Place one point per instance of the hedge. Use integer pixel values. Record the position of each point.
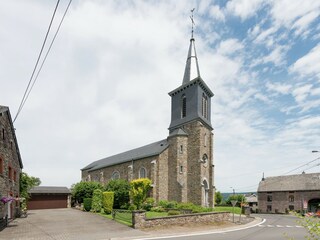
(107, 203)
(97, 200)
(87, 204)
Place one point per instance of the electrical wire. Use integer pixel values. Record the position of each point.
(36, 65)
(44, 59)
(318, 158)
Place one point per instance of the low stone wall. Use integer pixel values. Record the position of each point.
(139, 219)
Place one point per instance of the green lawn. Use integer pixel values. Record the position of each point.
(156, 214)
(237, 210)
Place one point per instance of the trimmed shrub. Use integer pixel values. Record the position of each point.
(97, 200)
(108, 198)
(148, 204)
(87, 202)
(173, 212)
(139, 190)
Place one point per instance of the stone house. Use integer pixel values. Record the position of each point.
(181, 167)
(252, 201)
(281, 194)
(10, 165)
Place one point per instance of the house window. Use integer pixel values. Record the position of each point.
(269, 198)
(183, 106)
(1, 166)
(291, 198)
(269, 208)
(115, 175)
(204, 106)
(14, 176)
(3, 134)
(142, 173)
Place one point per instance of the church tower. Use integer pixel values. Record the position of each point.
(190, 156)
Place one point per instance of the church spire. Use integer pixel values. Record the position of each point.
(192, 68)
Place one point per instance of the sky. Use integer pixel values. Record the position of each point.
(104, 86)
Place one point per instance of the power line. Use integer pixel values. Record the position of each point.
(302, 165)
(44, 59)
(35, 67)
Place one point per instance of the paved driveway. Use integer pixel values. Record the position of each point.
(66, 224)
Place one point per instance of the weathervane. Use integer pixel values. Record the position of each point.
(192, 22)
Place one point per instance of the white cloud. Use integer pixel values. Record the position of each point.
(304, 21)
(217, 13)
(286, 12)
(230, 46)
(279, 88)
(309, 64)
(244, 8)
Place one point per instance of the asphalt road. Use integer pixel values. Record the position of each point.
(274, 227)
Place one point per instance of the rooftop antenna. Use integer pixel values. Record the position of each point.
(192, 22)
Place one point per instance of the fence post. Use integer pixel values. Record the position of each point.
(138, 218)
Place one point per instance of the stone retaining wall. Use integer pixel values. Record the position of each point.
(139, 219)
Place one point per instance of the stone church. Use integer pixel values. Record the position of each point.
(181, 167)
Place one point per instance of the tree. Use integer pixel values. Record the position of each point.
(121, 189)
(240, 198)
(139, 190)
(26, 183)
(218, 197)
(83, 190)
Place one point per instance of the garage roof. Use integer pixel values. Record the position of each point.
(47, 189)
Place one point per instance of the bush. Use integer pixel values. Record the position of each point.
(157, 209)
(187, 205)
(97, 200)
(173, 212)
(121, 189)
(87, 204)
(132, 207)
(83, 190)
(139, 190)
(240, 198)
(148, 204)
(108, 198)
(167, 204)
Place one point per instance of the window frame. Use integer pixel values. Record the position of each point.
(115, 173)
(145, 172)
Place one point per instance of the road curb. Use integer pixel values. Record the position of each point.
(257, 221)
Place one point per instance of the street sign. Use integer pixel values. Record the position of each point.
(234, 202)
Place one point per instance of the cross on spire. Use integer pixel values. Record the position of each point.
(192, 22)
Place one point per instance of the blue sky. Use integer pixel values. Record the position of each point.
(103, 89)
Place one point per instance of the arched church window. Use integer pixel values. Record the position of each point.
(183, 106)
(115, 175)
(142, 173)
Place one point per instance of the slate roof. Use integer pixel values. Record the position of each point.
(149, 150)
(178, 132)
(299, 182)
(48, 190)
(4, 109)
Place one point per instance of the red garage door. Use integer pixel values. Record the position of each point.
(47, 201)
